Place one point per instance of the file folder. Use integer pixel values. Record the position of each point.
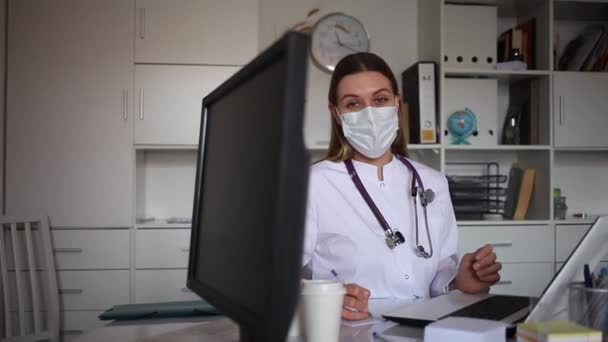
(419, 92)
(158, 310)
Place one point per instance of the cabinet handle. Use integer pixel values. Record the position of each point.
(67, 250)
(71, 332)
(125, 103)
(70, 291)
(502, 244)
(186, 290)
(141, 103)
(505, 282)
(142, 23)
(185, 250)
(561, 110)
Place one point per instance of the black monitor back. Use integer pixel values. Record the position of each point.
(250, 192)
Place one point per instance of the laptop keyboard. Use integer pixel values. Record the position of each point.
(493, 308)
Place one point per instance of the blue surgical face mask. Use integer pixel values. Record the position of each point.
(372, 130)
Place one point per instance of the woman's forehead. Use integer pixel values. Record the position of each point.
(363, 83)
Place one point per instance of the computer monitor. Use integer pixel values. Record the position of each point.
(590, 250)
(250, 192)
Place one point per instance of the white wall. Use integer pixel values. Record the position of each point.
(392, 26)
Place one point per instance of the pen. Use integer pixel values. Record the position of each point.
(587, 277)
(376, 335)
(335, 274)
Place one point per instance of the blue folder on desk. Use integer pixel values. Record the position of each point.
(160, 310)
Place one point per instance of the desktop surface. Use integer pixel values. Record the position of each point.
(222, 329)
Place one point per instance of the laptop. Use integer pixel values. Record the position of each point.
(513, 309)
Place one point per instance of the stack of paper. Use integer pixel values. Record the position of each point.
(462, 329)
(556, 331)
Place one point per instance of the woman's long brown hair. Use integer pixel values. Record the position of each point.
(339, 148)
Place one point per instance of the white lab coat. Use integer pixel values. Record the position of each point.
(343, 235)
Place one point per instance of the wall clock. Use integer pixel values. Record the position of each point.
(335, 36)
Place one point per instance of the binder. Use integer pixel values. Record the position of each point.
(525, 195)
(420, 93)
(156, 310)
(512, 195)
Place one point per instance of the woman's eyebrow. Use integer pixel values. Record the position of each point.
(381, 90)
(347, 95)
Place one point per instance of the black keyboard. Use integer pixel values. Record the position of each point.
(493, 308)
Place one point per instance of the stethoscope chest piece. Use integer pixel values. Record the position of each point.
(421, 252)
(394, 239)
(427, 196)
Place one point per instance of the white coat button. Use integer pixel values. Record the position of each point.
(407, 276)
(382, 185)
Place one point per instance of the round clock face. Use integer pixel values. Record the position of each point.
(335, 36)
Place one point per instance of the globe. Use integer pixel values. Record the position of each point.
(462, 124)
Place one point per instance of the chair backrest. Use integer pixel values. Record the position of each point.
(28, 281)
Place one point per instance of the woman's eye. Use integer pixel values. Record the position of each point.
(381, 100)
(351, 105)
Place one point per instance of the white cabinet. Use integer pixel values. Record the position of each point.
(580, 109)
(567, 238)
(526, 253)
(169, 101)
(512, 244)
(99, 249)
(69, 114)
(524, 279)
(162, 286)
(93, 290)
(162, 248)
(196, 31)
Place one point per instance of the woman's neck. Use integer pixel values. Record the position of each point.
(379, 162)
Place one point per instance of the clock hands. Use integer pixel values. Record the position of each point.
(340, 43)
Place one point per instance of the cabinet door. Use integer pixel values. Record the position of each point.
(196, 31)
(170, 97)
(580, 109)
(69, 141)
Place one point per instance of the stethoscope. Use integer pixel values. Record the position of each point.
(394, 238)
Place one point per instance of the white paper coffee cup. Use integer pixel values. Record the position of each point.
(321, 309)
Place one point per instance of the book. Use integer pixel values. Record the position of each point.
(525, 194)
(579, 50)
(524, 95)
(528, 32)
(513, 186)
(556, 331)
(521, 38)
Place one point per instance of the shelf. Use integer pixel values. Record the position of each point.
(318, 148)
(423, 146)
(506, 8)
(580, 149)
(167, 147)
(507, 75)
(587, 10)
(162, 224)
(503, 222)
(574, 221)
(497, 148)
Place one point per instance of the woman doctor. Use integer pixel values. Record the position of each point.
(366, 225)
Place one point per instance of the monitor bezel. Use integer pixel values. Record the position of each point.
(287, 246)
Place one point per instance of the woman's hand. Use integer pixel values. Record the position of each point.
(355, 305)
(477, 271)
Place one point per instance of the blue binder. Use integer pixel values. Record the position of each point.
(159, 310)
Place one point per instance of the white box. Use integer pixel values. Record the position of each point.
(481, 97)
(462, 329)
(470, 36)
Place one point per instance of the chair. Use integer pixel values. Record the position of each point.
(28, 282)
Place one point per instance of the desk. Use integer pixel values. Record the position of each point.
(221, 329)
